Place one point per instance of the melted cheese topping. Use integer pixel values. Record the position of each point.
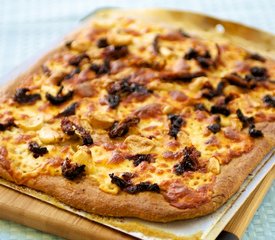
(142, 65)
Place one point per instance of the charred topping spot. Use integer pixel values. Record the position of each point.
(142, 187)
(189, 161)
(191, 54)
(176, 121)
(76, 60)
(72, 170)
(221, 109)
(269, 100)
(71, 128)
(115, 52)
(70, 110)
(22, 97)
(104, 68)
(128, 187)
(201, 107)
(138, 158)
(184, 34)
(7, 125)
(181, 76)
(59, 98)
(246, 121)
(102, 43)
(253, 132)
(156, 44)
(37, 150)
(122, 128)
(256, 57)
(124, 88)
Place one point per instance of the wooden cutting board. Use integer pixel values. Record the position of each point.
(31, 212)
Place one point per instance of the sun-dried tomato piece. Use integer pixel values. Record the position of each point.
(76, 60)
(77, 70)
(221, 109)
(71, 170)
(155, 44)
(253, 132)
(142, 187)
(7, 125)
(246, 121)
(181, 76)
(204, 60)
(122, 128)
(104, 68)
(121, 183)
(139, 158)
(189, 161)
(59, 98)
(201, 107)
(70, 110)
(71, 128)
(269, 100)
(214, 128)
(209, 92)
(256, 57)
(36, 149)
(124, 88)
(176, 122)
(102, 43)
(116, 52)
(237, 80)
(22, 97)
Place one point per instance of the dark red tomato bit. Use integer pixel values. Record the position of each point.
(214, 128)
(36, 149)
(220, 109)
(181, 76)
(71, 128)
(253, 132)
(189, 161)
(176, 122)
(237, 80)
(104, 68)
(102, 43)
(7, 125)
(122, 128)
(142, 187)
(200, 107)
(22, 97)
(121, 183)
(246, 121)
(116, 52)
(139, 158)
(59, 98)
(256, 57)
(71, 170)
(156, 44)
(269, 100)
(76, 60)
(77, 70)
(70, 110)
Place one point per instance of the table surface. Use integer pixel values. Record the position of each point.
(27, 26)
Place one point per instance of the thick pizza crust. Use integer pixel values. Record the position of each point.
(85, 194)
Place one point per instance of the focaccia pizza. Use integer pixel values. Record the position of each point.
(133, 119)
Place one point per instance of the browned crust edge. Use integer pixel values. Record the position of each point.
(85, 194)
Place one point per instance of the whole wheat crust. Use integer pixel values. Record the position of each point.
(84, 194)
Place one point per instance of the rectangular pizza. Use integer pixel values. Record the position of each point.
(134, 116)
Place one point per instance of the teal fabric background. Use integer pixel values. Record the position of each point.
(27, 26)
